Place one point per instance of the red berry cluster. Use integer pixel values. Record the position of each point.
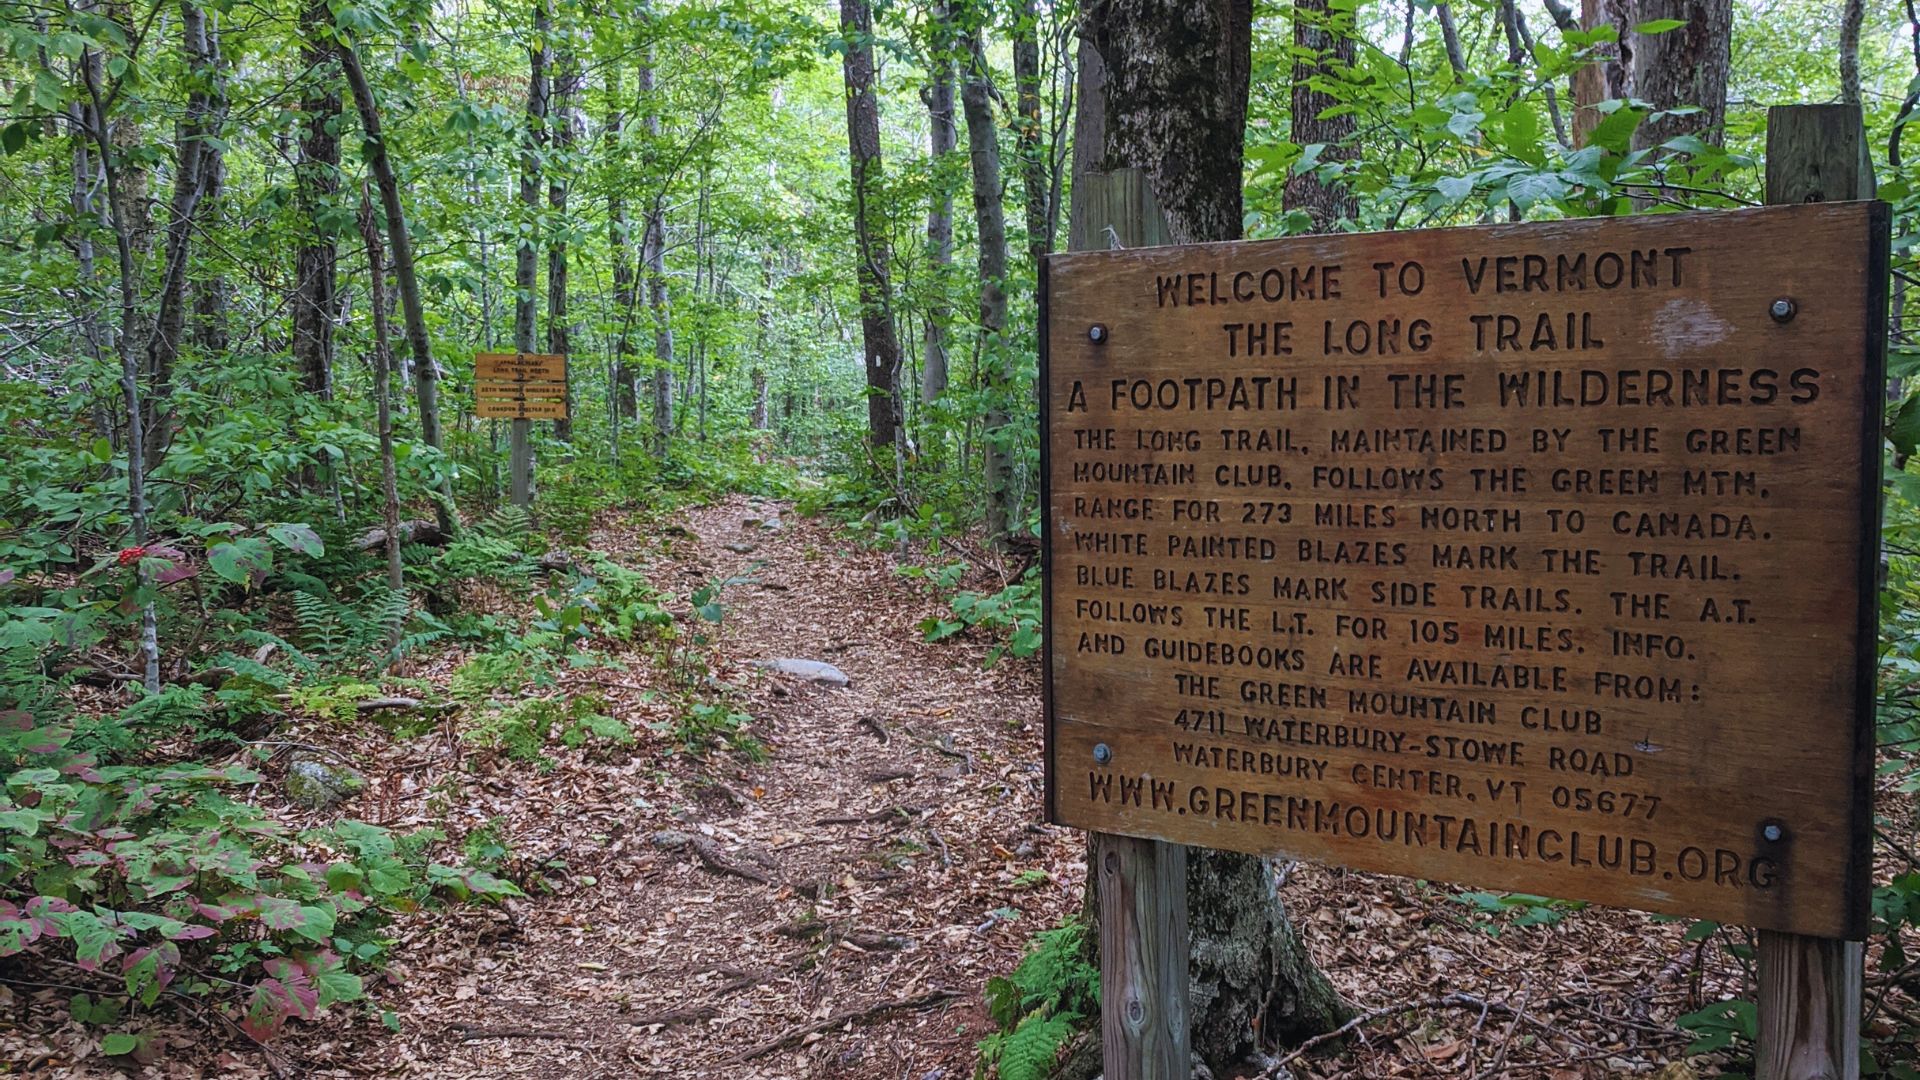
(129, 556)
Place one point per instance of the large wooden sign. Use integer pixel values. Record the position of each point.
(520, 386)
(1537, 557)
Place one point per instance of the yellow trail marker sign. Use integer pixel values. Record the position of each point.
(520, 386)
(1538, 557)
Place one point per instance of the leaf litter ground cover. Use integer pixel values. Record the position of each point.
(835, 910)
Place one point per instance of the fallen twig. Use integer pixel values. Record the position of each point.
(794, 1035)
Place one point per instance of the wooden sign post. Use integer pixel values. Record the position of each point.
(521, 387)
(1810, 987)
(1537, 557)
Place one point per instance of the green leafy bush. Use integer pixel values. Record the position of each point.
(154, 875)
(1013, 614)
(1038, 1006)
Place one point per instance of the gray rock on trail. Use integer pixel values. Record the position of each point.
(770, 524)
(817, 671)
(314, 783)
(740, 548)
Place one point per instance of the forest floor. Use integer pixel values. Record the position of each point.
(834, 911)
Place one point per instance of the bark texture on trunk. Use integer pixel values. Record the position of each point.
(383, 391)
(533, 144)
(567, 82)
(316, 180)
(1685, 66)
(654, 255)
(1176, 104)
(1323, 47)
(1027, 128)
(196, 153)
(620, 242)
(942, 137)
(990, 222)
(886, 427)
(1251, 979)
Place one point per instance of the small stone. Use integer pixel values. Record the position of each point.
(314, 783)
(811, 670)
(741, 548)
(772, 525)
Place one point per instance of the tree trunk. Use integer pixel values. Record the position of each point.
(526, 257)
(1322, 49)
(1027, 128)
(1852, 15)
(1686, 66)
(990, 221)
(566, 122)
(1164, 91)
(1450, 37)
(316, 179)
(886, 429)
(1176, 105)
(426, 377)
(1619, 14)
(943, 136)
(195, 148)
(125, 222)
(620, 243)
(209, 326)
(383, 391)
(653, 246)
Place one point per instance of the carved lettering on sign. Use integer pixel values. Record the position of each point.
(1535, 557)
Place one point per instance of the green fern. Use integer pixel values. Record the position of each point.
(506, 523)
(1037, 1007)
(1028, 1051)
(339, 635)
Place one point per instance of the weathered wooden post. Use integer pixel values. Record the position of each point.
(521, 388)
(1143, 883)
(1810, 986)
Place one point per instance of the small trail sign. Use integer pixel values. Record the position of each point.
(520, 386)
(1538, 557)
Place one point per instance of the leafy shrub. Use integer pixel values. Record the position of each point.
(706, 724)
(1012, 613)
(523, 729)
(1038, 1006)
(156, 876)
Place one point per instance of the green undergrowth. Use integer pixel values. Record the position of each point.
(1053, 992)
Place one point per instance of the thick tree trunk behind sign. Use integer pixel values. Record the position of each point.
(1322, 45)
(1164, 91)
(1684, 66)
(872, 252)
(1033, 163)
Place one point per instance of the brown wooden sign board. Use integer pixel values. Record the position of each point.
(548, 367)
(1535, 557)
(517, 390)
(521, 408)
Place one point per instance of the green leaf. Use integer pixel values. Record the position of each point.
(245, 561)
(119, 1043)
(298, 538)
(1659, 26)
